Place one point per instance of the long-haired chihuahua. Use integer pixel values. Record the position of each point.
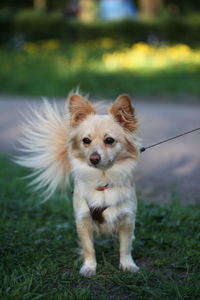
(101, 152)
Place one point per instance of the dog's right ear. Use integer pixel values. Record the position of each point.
(79, 109)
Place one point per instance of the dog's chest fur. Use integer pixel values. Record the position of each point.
(116, 200)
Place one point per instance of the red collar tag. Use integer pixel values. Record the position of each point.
(102, 188)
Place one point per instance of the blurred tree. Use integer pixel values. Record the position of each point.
(87, 10)
(71, 9)
(39, 4)
(57, 4)
(149, 8)
(183, 5)
(16, 4)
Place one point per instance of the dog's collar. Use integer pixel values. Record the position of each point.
(102, 188)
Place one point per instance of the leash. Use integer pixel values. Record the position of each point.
(167, 140)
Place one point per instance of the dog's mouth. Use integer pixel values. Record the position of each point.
(101, 166)
(96, 166)
(93, 166)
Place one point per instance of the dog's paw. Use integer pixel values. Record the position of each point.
(88, 269)
(129, 265)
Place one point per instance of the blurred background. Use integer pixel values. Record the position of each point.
(143, 47)
(147, 48)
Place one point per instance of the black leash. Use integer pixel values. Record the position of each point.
(167, 140)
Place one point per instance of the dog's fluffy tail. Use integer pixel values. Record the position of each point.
(43, 147)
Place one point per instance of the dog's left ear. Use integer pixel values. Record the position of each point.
(124, 113)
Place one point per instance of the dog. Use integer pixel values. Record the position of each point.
(101, 152)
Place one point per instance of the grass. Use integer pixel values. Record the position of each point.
(39, 249)
(51, 69)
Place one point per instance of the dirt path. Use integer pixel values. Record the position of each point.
(172, 168)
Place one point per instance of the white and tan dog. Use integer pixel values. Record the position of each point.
(101, 152)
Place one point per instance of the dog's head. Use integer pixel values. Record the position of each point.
(102, 140)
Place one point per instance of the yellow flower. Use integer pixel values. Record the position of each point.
(31, 48)
(50, 45)
(107, 43)
(142, 56)
(142, 48)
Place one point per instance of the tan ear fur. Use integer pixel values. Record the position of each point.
(124, 113)
(79, 109)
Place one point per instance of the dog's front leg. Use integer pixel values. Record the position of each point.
(85, 232)
(125, 237)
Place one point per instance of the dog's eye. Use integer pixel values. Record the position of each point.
(86, 141)
(109, 140)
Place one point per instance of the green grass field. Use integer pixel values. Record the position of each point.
(39, 249)
(51, 69)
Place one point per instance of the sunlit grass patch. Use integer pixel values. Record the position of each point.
(100, 67)
(142, 56)
(49, 45)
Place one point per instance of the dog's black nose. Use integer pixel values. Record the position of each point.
(95, 158)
